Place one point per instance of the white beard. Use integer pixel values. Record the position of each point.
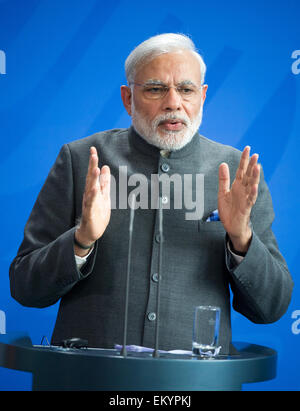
(166, 139)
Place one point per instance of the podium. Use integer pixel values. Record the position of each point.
(67, 369)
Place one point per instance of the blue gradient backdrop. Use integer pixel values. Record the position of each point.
(64, 68)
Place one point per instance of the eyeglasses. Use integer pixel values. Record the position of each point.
(153, 91)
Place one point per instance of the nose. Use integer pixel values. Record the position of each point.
(172, 100)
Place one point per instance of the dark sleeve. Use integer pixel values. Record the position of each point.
(45, 267)
(261, 284)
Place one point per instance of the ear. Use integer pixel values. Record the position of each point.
(126, 98)
(204, 90)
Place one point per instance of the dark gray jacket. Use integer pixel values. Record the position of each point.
(196, 265)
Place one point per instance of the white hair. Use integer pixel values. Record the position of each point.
(157, 45)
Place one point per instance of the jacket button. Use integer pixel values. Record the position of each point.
(165, 167)
(151, 316)
(157, 238)
(164, 200)
(155, 277)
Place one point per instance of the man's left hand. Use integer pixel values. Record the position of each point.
(235, 202)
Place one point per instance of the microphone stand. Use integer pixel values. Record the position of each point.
(124, 350)
(156, 352)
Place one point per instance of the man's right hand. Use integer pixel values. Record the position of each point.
(96, 204)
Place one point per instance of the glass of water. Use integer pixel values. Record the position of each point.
(206, 331)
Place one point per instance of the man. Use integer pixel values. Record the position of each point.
(84, 264)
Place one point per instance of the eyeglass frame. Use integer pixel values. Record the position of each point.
(157, 83)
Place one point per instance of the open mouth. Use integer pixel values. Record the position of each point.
(172, 124)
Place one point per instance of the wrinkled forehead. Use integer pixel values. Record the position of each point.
(171, 68)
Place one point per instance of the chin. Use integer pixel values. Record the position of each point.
(171, 141)
(165, 139)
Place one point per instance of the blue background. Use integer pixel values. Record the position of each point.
(64, 67)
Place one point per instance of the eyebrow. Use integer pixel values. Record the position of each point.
(187, 83)
(161, 83)
(154, 81)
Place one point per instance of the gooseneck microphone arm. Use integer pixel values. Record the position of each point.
(124, 350)
(161, 238)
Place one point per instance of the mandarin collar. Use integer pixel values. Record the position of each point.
(143, 146)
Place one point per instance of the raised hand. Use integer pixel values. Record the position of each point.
(235, 202)
(96, 204)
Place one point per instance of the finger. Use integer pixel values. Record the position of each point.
(92, 190)
(95, 179)
(250, 169)
(252, 176)
(93, 184)
(253, 184)
(224, 178)
(93, 164)
(253, 195)
(254, 180)
(244, 161)
(105, 179)
(93, 160)
(256, 173)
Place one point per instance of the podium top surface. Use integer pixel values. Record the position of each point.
(252, 363)
(245, 351)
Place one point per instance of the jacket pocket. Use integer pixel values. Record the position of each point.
(210, 226)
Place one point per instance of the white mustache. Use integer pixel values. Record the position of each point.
(165, 117)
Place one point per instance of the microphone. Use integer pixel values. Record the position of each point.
(156, 352)
(124, 350)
